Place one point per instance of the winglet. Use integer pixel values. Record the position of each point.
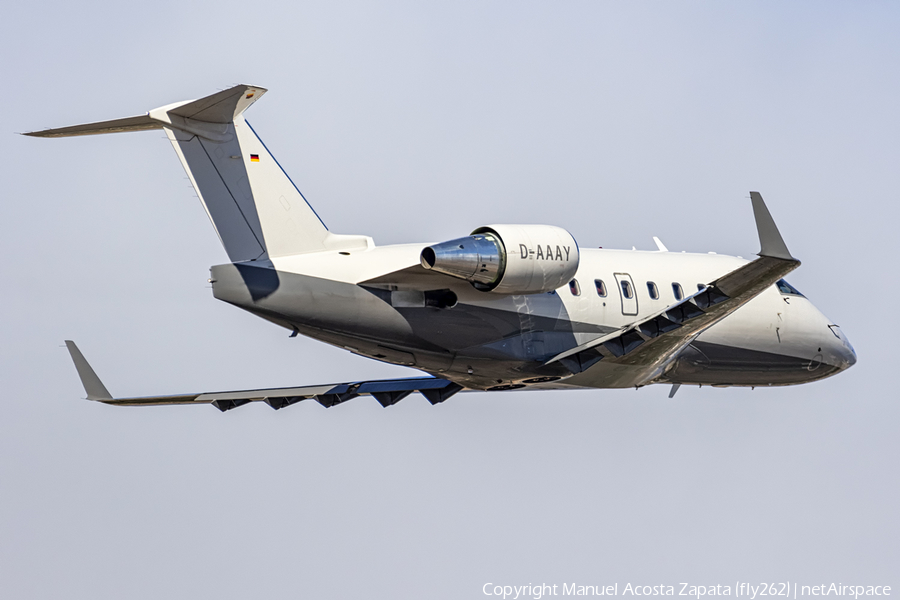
(92, 384)
(770, 241)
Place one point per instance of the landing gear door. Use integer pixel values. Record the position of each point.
(627, 293)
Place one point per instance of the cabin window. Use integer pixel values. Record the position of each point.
(654, 291)
(626, 289)
(676, 289)
(785, 288)
(601, 287)
(574, 287)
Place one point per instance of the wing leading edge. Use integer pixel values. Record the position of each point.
(654, 342)
(385, 391)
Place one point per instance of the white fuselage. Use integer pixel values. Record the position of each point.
(775, 339)
(506, 307)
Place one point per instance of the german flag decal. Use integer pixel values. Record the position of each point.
(254, 158)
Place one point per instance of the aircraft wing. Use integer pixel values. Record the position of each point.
(655, 341)
(386, 391)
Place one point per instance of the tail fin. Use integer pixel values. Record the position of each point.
(254, 206)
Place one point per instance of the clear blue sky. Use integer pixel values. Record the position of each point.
(420, 122)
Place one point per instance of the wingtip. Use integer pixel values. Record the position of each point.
(93, 387)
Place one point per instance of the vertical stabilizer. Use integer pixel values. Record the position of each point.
(256, 209)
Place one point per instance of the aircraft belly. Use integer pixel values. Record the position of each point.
(309, 301)
(495, 347)
(707, 363)
(478, 345)
(466, 327)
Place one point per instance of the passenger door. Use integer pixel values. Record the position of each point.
(628, 294)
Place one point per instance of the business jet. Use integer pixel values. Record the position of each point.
(507, 307)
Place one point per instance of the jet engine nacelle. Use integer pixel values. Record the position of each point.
(508, 259)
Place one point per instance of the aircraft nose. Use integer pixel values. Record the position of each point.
(851, 355)
(842, 350)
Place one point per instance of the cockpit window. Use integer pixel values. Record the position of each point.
(785, 288)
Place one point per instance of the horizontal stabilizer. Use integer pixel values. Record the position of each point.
(139, 123)
(222, 107)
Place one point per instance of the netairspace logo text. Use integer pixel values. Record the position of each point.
(751, 591)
